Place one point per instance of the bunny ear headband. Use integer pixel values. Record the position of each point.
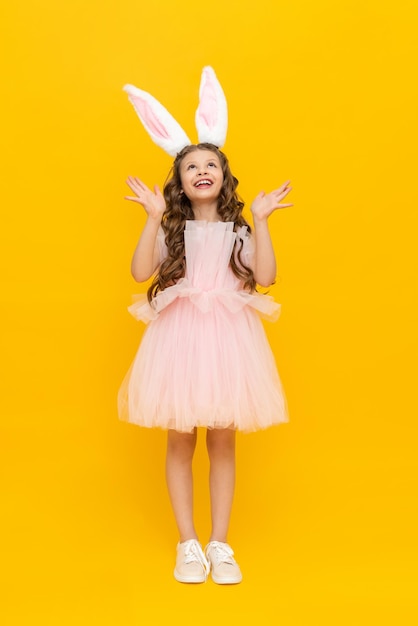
(211, 116)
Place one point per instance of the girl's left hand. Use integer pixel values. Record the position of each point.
(264, 204)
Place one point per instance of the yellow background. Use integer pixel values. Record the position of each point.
(325, 517)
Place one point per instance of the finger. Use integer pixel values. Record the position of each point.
(282, 194)
(131, 185)
(132, 198)
(134, 179)
(137, 188)
(132, 182)
(283, 188)
(138, 183)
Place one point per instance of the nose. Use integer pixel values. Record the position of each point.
(202, 170)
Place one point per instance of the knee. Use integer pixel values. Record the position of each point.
(181, 445)
(220, 442)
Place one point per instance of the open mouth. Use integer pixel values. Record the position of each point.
(205, 182)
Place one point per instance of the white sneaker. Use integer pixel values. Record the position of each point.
(191, 563)
(225, 570)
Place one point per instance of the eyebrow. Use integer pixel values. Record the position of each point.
(193, 161)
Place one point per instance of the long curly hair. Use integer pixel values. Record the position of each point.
(179, 209)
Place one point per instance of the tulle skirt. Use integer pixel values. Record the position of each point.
(213, 369)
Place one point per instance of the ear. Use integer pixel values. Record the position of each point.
(158, 122)
(212, 113)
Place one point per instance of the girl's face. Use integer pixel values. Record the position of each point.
(201, 176)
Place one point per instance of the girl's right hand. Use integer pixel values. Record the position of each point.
(153, 202)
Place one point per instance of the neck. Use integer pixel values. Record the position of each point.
(206, 212)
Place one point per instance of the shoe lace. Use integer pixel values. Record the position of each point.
(193, 553)
(223, 553)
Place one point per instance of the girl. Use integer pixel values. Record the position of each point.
(204, 359)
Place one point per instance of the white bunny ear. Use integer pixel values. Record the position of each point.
(158, 122)
(212, 112)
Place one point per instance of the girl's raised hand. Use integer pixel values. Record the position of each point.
(152, 201)
(264, 204)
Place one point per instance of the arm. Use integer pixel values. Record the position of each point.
(264, 257)
(145, 258)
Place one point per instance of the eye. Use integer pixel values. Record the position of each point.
(189, 167)
(212, 164)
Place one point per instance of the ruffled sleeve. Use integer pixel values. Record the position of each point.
(160, 245)
(247, 252)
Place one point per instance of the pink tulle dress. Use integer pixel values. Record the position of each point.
(204, 359)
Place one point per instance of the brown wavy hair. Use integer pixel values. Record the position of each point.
(179, 209)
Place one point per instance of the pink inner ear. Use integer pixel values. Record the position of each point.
(207, 107)
(151, 121)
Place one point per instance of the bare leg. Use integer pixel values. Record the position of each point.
(221, 450)
(180, 450)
